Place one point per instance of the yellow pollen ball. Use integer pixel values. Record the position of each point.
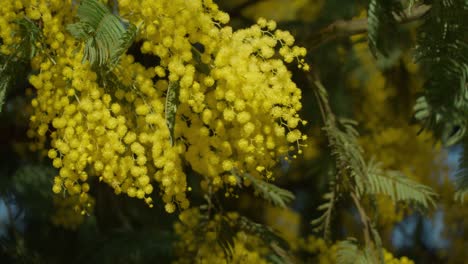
(170, 208)
(232, 179)
(56, 189)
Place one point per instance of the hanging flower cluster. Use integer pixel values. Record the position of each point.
(237, 111)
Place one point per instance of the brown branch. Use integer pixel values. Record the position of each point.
(343, 28)
(368, 229)
(322, 99)
(364, 218)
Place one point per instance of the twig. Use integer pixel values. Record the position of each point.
(343, 28)
(364, 218)
(322, 99)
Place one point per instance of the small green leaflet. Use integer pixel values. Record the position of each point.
(270, 192)
(14, 65)
(383, 26)
(225, 238)
(126, 41)
(322, 223)
(30, 34)
(172, 102)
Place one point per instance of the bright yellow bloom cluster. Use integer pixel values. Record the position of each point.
(203, 247)
(35, 10)
(326, 254)
(229, 112)
(238, 109)
(390, 259)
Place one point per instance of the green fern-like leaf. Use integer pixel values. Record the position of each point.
(276, 243)
(172, 102)
(347, 151)
(225, 238)
(80, 30)
(322, 223)
(398, 187)
(348, 252)
(450, 131)
(106, 39)
(264, 232)
(382, 25)
(103, 33)
(411, 5)
(13, 66)
(125, 41)
(442, 50)
(270, 192)
(226, 227)
(351, 167)
(342, 138)
(31, 34)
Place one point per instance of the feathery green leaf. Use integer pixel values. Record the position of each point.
(348, 252)
(126, 40)
(382, 25)
(264, 232)
(270, 192)
(105, 37)
(442, 50)
(13, 65)
(322, 223)
(225, 238)
(397, 186)
(277, 244)
(30, 34)
(347, 151)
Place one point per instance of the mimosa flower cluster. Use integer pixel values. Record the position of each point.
(238, 110)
